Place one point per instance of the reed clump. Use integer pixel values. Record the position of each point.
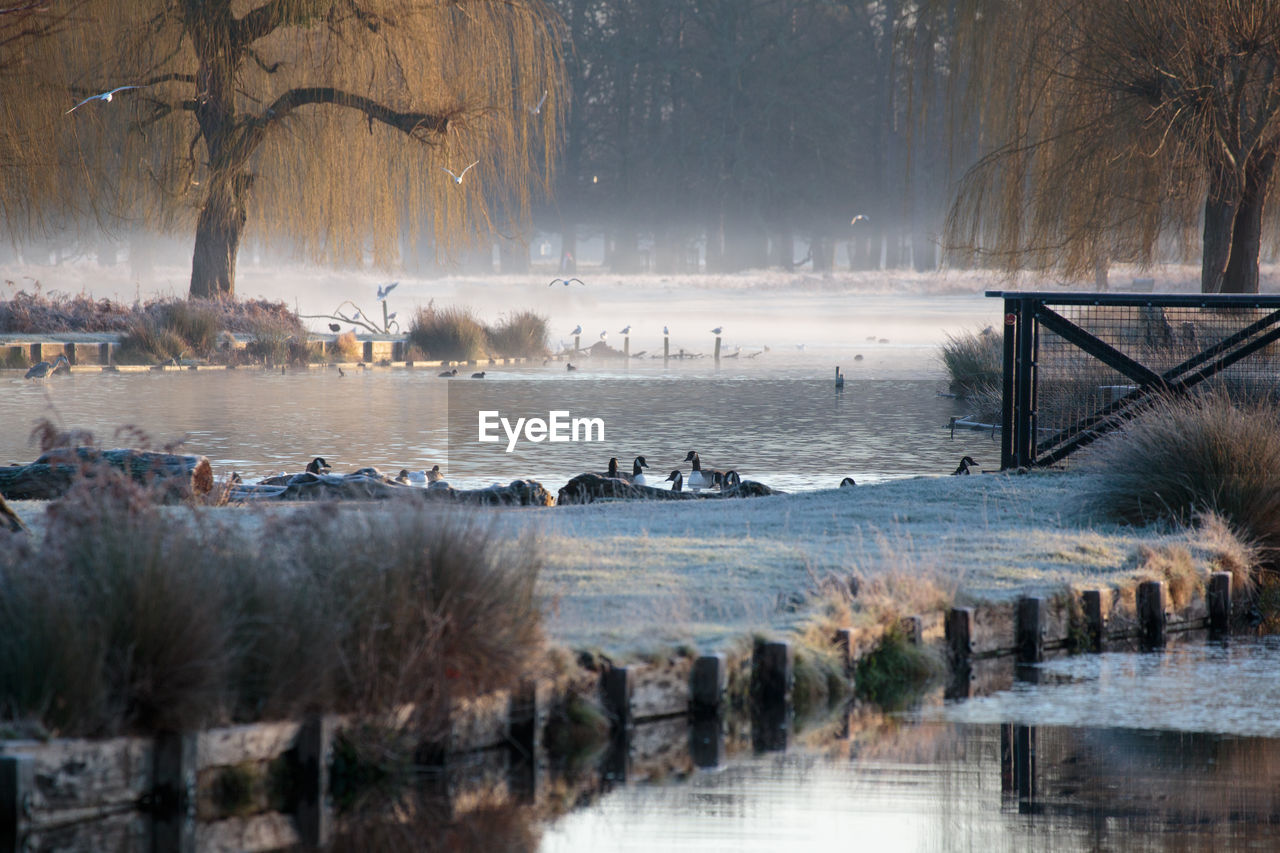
(1195, 455)
(974, 361)
(130, 617)
(456, 334)
(346, 347)
(521, 334)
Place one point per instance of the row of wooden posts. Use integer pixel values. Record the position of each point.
(45, 784)
(666, 348)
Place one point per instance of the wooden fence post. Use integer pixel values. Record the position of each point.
(1219, 597)
(173, 795)
(1151, 604)
(707, 682)
(959, 632)
(314, 754)
(1094, 621)
(616, 686)
(17, 784)
(771, 682)
(1029, 636)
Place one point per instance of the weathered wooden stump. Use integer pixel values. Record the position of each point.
(54, 472)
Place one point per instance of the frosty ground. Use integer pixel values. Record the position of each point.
(642, 575)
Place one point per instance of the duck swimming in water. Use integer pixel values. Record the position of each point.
(677, 480)
(479, 375)
(318, 466)
(449, 373)
(966, 462)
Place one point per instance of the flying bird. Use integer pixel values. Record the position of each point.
(457, 179)
(384, 292)
(566, 282)
(577, 330)
(859, 218)
(538, 109)
(105, 96)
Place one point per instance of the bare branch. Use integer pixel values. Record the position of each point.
(416, 124)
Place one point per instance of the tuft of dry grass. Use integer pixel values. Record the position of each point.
(111, 625)
(448, 334)
(346, 347)
(974, 361)
(1192, 456)
(521, 334)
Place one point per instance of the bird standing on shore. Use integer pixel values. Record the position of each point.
(966, 462)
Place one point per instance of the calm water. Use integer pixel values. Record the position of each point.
(1169, 751)
(779, 421)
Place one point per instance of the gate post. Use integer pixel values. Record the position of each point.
(1011, 314)
(1024, 404)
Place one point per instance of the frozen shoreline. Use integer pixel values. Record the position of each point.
(636, 575)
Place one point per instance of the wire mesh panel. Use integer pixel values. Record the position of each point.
(1078, 365)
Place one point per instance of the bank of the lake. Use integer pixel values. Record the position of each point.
(637, 575)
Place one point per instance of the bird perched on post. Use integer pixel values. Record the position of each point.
(383, 293)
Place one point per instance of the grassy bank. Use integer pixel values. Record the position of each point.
(111, 626)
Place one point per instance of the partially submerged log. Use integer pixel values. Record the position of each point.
(53, 473)
(369, 484)
(589, 488)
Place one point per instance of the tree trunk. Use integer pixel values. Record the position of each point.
(218, 232)
(1241, 274)
(1219, 214)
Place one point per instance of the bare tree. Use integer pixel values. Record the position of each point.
(327, 122)
(1112, 123)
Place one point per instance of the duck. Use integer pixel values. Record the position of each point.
(449, 373)
(434, 475)
(568, 366)
(839, 378)
(966, 462)
(638, 477)
(318, 466)
(403, 477)
(847, 483)
(697, 480)
(479, 375)
(44, 368)
(677, 480)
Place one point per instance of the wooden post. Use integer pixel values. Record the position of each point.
(666, 348)
(707, 683)
(771, 682)
(1094, 621)
(959, 633)
(706, 742)
(525, 722)
(17, 787)
(844, 646)
(577, 344)
(616, 687)
(314, 747)
(1029, 639)
(104, 354)
(173, 794)
(1219, 598)
(717, 350)
(1151, 606)
(913, 628)
(398, 349)
(626, 347)
(368, 352)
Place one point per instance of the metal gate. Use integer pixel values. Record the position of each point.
(1078, 365)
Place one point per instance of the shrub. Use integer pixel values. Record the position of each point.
(197, 322)
(1195, 455)
(112, 627)
(522, 334)
(346, 347)
(271, 343)
(974, 361)
(448, 334)
(149, 341)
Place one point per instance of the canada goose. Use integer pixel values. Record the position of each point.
(839, 378)
(847, 483)
(317, 466)
(638, 477)
(677, 480)
(966, 462)
(613, 472)
(479, 375)
(44, 368)
(341, 373)
(697, 480)
(449, 373)
(729, 479)
(434, 475)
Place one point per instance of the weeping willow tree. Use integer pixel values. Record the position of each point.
(1108, 124)
(329, 123)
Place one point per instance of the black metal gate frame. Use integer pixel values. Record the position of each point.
(1026, 312)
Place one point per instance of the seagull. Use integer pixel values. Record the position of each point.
(665, 331)
(577, 330)
(105, 96)
(626, 331)
(392, 316)
(717, 330)
(538, 109)
(604, 335)
(859, 218)
(383, 293)
(566, 282)
(335, 328)
(457, 179)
